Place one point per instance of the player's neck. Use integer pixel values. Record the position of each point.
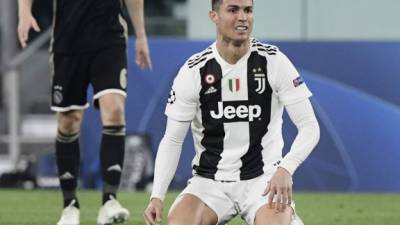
(231, 52)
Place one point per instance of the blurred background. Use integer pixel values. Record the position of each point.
(347, 51)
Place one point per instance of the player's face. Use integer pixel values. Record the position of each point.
(234, 20)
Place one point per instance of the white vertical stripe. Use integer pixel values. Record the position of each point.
(52, 66)
(236, 144)
(124, 25)
(237, 136)
(54, 23)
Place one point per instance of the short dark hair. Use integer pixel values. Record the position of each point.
(215, 4)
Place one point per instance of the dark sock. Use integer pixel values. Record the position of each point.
(67, 159)
(112, 158)
(107, 196)
(68, 201)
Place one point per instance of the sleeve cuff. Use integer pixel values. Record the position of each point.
(289, 166)
(159, 196)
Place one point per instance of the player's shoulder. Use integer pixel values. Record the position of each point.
(190, 69)
(200, 58)
(264, 49)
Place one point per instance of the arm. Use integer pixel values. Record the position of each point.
(25, 21)
(168, 155)
(302, 115)
(280, 185)
(167, 160)
(136, 14)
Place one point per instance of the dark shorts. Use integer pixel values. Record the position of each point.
(105, 70)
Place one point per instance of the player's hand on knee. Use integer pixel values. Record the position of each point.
(279, 190)
(153, 213)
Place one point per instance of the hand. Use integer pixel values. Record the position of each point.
(153, 213)
(26, 22)
(280, 187)
(142, 53)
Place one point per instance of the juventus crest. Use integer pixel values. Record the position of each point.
(259, 76)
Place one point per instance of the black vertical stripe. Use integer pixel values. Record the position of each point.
(213, 140)
(252, 162)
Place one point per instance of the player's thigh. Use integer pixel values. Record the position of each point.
(69, 80)
(189, 209)
(269, 216)
(108, 72)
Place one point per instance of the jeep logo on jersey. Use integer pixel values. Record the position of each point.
(236, 111)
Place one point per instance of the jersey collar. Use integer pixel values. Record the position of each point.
(224, 64)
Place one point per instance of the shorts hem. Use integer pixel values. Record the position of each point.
(109, 91)
(213, 208)
(69, 108)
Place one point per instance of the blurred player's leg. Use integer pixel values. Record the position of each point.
(70, 215)
(67, 158)
(112, 212)
(112, 157)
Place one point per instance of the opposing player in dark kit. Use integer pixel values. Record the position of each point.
(88, 46)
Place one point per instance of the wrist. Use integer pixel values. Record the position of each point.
(157, 195)
(289, 165)
(140, 35)
(155, 199)
(23, 12)
(285, 170)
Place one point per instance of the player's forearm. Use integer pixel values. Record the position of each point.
(24, 7)
(307, 137)
(168, 155)
(165, 168)
(136, 14)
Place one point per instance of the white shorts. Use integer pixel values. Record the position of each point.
(228, 199)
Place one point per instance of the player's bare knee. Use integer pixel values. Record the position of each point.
(112, 105)
(174, 221)
(113, 114)
(176, 218)
(274, 218)
(271, 221)
(69, 122)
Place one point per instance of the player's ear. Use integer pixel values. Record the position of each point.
(213, 16)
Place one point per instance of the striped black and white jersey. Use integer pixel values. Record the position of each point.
(236, 110)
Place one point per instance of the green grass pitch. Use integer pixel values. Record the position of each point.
(19, 207)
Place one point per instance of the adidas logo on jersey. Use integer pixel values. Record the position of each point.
(231, 112)
(115, 167)
(210, 90)
(66, 176)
